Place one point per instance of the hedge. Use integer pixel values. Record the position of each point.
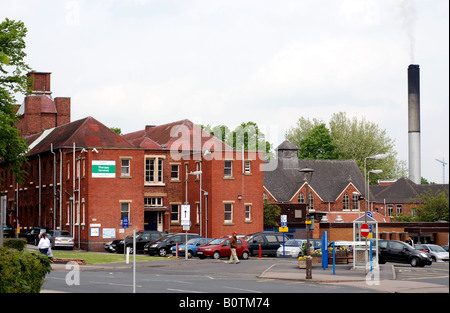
(18, 244)
(22, 271)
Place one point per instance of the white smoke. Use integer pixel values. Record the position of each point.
(409, 15)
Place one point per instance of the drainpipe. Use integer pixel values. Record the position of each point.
(60, 188)
(40, 191)
(54, 185)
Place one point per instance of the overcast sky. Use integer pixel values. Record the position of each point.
(132, 63)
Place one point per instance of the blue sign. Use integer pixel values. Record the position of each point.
(125, 222)
(370, 214)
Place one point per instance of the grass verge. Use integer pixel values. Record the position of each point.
(101, 258)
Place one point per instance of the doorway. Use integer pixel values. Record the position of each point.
(153, 220)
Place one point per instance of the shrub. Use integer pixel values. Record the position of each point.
(18, 244)
(22, 271)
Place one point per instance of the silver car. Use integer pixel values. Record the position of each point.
(292, 248)
(61, 238)
(437, 253)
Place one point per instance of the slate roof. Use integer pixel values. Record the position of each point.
(329, 180)
(182, 134)
(86, 133)
(402, 190)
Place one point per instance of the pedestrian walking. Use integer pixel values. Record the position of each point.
(233, 246)
(44, 244)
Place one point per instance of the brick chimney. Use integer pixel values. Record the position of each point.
(39, 110)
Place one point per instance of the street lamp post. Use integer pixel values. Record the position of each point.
(366, 191)
(308, 223)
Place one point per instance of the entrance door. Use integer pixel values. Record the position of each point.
(150, 220)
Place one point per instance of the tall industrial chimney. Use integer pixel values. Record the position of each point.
(414, 123)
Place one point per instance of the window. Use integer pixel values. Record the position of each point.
(355, 203)
(390, 210)
(175, 212)
(153, 202)
(160, 170)
(228, 168)
(247, 167)
(150, 170)
(125, 167)
(78, 167)
(153, 170)
(175, 172)
(301, 198)
(228, 210)
(125, 210)
(345, 202)
(197, 212)
(248, 212)
(399, 209)
(311, 201)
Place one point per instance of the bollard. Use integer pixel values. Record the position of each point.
(177, 250)
(308, 268)
(260, 251)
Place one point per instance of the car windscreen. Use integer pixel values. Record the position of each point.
(64, 234)
(435, 248)
(293, 243)
(217, 241)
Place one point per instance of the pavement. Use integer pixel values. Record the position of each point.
(381, 279)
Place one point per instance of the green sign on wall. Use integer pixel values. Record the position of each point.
(104, 169)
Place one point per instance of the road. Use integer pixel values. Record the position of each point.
(211, 276)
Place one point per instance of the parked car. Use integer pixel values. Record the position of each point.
(437, 253)
(34, 234)
(141, 240)
(60, 238)
(221, 248)
(8, 231)
(162, 246)
(269, 241)
(401, 252)
(193, 244)
(292, 248)
(420, 248)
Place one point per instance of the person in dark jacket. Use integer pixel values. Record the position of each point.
(233, 246)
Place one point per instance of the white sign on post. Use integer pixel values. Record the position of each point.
(185, 214)
(283, 220)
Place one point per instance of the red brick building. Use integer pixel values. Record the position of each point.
(84, 178)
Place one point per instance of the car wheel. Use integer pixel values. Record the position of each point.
(131, 249)
(414, 262)
(190, 254)
(36, 242)
(216, 255)
(162, 252)
(245, 255)
(381, 261)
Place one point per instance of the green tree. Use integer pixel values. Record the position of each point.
(271, 214)
(318, 144)
(356, 139)
(13, 79)
(435, 207)
(247, 135)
